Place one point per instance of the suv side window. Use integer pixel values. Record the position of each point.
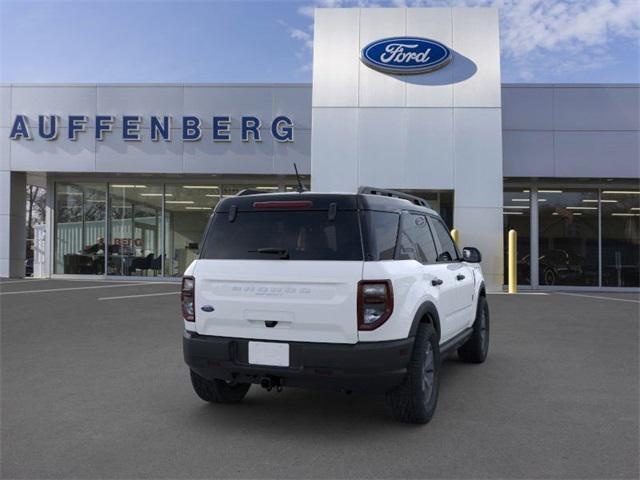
(415, 241)
(381, 233)
(448, 250)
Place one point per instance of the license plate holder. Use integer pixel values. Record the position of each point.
(273, 354)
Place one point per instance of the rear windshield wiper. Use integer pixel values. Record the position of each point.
(284, 254)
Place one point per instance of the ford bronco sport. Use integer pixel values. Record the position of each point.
(357, 292)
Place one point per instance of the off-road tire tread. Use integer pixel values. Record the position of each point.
(471, 350)
(405, 402)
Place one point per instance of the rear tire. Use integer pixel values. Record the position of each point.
(218, 391)
(476, 348)
(415, 400)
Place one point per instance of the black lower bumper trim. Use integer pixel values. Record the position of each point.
(366, 367)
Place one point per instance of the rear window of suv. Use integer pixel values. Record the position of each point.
(277, 235)
(381, 233)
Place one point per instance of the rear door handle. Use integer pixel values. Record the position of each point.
(436, 281)
(460, 277)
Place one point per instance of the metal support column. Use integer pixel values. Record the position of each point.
(534, 253)
(599, 237)
(162, 230)
(107, 233)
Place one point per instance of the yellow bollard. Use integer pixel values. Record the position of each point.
(513, 272)
(455, 234)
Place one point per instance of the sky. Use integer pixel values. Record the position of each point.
(213, 41)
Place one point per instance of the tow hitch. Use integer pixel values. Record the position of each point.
(270, 382)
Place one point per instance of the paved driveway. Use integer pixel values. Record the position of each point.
(95, 387)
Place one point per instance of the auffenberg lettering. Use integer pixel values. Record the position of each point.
(218, 128)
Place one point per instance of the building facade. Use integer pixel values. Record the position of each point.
(132, 171)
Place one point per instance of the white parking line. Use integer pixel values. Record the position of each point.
(138, 296)
(599, 297)
(47, 290)
(23, 281)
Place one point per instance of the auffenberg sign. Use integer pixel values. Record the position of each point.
(159, 128)
(405, 55)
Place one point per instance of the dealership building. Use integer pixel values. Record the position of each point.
(132, 171)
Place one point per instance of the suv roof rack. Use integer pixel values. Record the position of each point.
(395, 194)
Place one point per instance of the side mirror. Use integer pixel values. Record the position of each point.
(444, 257)
(471, 255)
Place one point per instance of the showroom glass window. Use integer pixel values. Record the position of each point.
(620, 238)
(568, 237)
(135, 232)
(80, 212)
(517, 216)
(187, 208)
(133, 219)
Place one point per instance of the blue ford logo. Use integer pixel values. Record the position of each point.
(405, 55)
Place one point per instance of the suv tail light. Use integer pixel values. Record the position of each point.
(375, 303)
(188, 299)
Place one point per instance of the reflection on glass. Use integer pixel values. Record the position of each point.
(620, 238)
(95, 211)
(517, 216)
(134, 229)
(187, 209)
(79, 228)
(568, 237)
(134, 244)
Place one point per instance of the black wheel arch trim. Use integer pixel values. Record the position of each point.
(426, 310)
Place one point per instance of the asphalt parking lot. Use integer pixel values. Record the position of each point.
(95, 387)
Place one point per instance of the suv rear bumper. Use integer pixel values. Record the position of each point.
(363, 367)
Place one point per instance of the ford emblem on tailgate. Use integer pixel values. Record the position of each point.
(405, 55)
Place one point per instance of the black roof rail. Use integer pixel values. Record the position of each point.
(395, 194)
(253, 191)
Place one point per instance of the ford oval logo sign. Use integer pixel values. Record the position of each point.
(405, 55)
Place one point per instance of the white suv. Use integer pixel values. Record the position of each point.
(356, 292)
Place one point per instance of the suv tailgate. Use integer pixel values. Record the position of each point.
(285, 300)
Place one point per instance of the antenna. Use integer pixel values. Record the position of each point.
(300, 186)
